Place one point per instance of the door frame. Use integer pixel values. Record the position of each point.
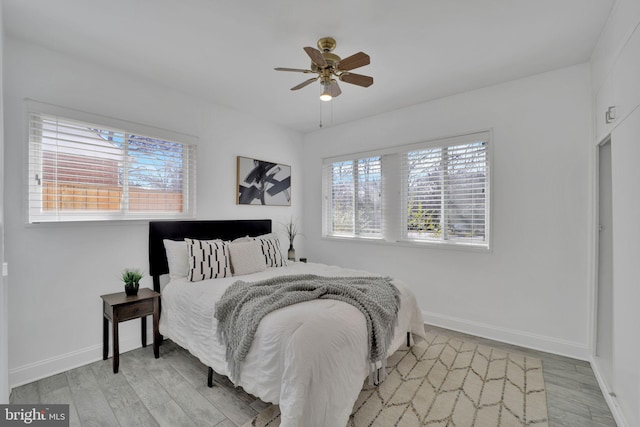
(596, 246)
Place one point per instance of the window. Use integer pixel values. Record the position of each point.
(83, 171)
(353, 199)
(445, 193)
(443, 189)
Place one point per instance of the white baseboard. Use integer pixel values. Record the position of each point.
(611, 400)
(54, 365)
(510, 336)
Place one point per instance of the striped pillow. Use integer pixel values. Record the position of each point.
(271, 251)
(208, 259)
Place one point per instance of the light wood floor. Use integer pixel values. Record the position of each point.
(172, 391)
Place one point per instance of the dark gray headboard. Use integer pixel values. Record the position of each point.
(202, 230)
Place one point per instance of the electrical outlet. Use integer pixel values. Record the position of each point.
(5, 269)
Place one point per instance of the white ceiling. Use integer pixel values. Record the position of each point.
(225, 51)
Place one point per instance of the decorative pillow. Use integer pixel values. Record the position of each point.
(177, 258)
(208, 259)
(246, 257)
(242, 239)
(271, 251)
(266, 236)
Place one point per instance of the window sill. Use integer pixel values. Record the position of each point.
(103, 221)
(411, 244)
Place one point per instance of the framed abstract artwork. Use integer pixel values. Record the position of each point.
(263, 183)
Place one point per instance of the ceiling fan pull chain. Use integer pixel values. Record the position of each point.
(331, 117)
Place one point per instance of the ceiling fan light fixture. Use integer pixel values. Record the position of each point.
(327, 65)
(326, 93)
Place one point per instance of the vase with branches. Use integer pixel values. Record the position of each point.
(292, 232)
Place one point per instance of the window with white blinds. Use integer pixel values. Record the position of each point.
(353, 197)
(432, 192)
(445, 190)
(81, 171)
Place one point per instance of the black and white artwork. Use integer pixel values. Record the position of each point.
(263, 183)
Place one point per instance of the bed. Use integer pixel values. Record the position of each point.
(310, 358)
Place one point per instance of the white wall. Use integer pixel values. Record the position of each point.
(615, 69)
(533, 288)
(4, 303)
(622, 22)
(58, 272)
(625, 379)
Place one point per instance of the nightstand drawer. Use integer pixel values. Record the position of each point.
(132, 311)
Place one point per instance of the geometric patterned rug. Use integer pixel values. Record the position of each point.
(447, 382)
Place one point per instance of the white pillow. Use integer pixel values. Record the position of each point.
(208, 259)
(177, 258)
(242, 239)
(246, 257)
(267, 236)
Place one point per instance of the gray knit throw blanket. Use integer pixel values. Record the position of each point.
(243, 305)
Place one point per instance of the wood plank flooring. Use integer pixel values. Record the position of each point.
(172, 391)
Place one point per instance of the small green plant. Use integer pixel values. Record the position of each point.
(131, 276)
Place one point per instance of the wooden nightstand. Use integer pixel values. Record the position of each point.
(118, 308)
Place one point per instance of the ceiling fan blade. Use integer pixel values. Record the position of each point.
(293, 69)
(305, 83)
(354, 61)
(357, 79)
(334, 89)
(316, 56)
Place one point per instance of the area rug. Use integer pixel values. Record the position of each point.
(447, 382)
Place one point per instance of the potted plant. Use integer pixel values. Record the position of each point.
(292, 231)
(131, 278)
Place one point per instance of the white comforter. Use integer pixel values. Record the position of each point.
(310, 358)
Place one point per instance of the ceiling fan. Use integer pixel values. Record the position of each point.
(328, 65)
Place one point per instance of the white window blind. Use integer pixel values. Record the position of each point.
(433, 192)
(446, 192)
(353, 197)
(80, 171)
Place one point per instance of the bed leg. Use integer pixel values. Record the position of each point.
(376, 381)
(210, 378)
(408, 339)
